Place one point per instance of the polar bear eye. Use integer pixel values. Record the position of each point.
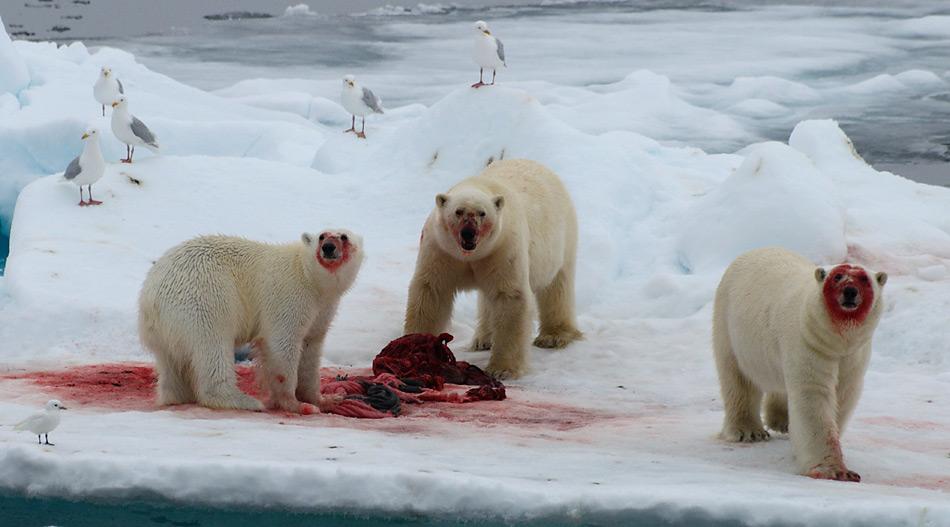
(459, 212)
(481, 214)
(344, 238)
(322, 236)
(838, 277)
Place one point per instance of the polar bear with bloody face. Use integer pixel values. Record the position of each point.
(209, 294)
(800, 335)
(510, 233)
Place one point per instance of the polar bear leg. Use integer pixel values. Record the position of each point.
(174, 385)
(213, 376)
(511, 333)
(556, 311)
(483, 335)
(813, 427)
(429, 308)
(776, 412)
(281, 360)
(308, 373)
(741, 398)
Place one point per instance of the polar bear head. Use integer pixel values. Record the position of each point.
(334, 252)
(850, 294)
(469, 221)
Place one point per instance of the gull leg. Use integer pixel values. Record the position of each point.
(47, 441)
(352, 126)
(493, 71)
(362, 133)
(479, 84)
(82, 202)
(92, 201)
(103, 110)
(131, 153)
(128, 155)
(39, 439)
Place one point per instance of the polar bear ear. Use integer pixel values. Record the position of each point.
(306, 238)
(881, 278)
(499, 202)
(441, 200)
(820, 274)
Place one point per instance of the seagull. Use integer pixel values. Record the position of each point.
(489, 53)
(88, 167)
(360, 101)
(107, 89)
(130, 130)
(42, 423)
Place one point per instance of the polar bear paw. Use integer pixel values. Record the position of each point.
(777, 421)
(505, 369)
(237, 401)
(557, 339)
(481, 343)
(833, 472)
(747, 433)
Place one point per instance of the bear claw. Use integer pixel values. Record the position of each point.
(481, 344)
(746, 434)
(833, 472)
(557, 340)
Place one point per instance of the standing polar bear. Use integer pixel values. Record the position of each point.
(209, 294)
(511, 233)
(802, 335)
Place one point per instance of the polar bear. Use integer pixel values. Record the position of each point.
(511, 233)
(209, 294)
(802, 335)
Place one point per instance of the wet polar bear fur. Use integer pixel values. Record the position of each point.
(209, 294)
(802, 335)
(510, 233)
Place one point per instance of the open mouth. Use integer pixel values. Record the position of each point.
(468, 238)
(849, 305)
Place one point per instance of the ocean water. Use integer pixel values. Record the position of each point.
(22, 511)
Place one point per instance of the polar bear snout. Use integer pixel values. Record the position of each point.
(329, 251)
(850, 298)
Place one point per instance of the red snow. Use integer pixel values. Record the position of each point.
(131, 387)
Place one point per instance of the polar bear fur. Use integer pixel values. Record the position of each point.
(209, 294)
(510, 233)
(802, 335)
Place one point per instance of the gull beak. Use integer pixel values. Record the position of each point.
(487, 32)
(63, 408)
(116, 103)
(85, 136)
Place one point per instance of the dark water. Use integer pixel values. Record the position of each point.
(19, 511)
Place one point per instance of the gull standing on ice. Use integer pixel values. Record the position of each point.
(88, 167)
(489, 53)
(359, 101)
(130, 130)
(42, 423)
(107, 89)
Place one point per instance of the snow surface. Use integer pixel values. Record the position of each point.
(622, 422)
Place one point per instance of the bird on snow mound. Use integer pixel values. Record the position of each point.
(42, 423)
(489, 53)
(108, 88)
(130, 130)
(87, 167)
(359, 101)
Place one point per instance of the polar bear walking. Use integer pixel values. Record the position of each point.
(211, 293)
(802, 335)
(511, 233)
